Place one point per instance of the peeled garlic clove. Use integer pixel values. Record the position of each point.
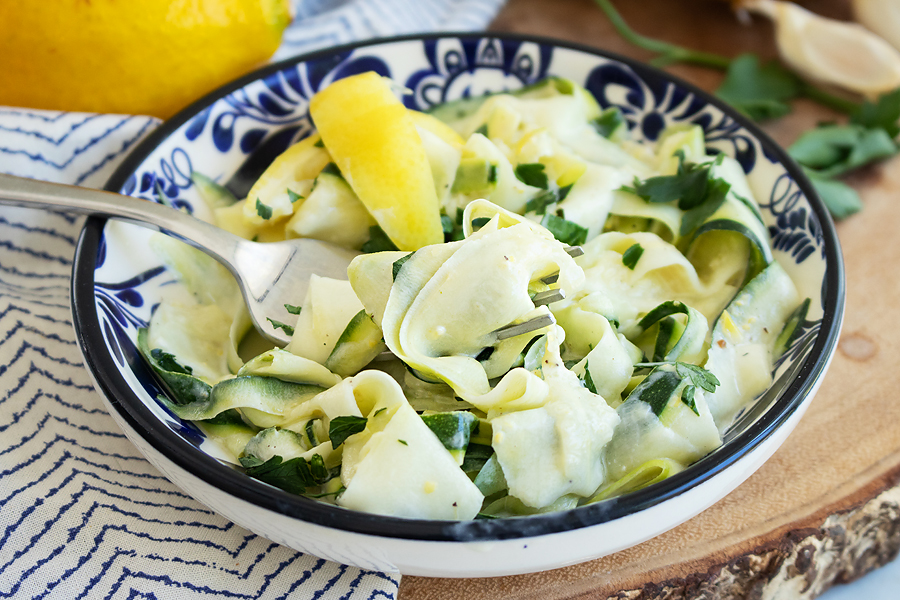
(833, 52)
(880, 16)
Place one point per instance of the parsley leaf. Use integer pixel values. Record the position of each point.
(279, 325)
(540, 202)
(294, 196)
(332, 169)
(319, 143)
(687, 396)
(378, 241)
(716, 192)
(185, 388)
(167, 361)
(263, 210)
(609, 121)
(688, 185)
(698, 376)
(832, 150)
(883, 114)
(398, 264)
(453, 231)
(631, 256)
(659, 386)
(340, 428)
(759, 91)
(532, 174)
(476, 456)
(565, 231)
(656, 389)
(294, 475)
(294, 310)
(589, 381)
(840, 199)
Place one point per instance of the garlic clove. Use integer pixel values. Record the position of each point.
(833, 52)
(880, 16)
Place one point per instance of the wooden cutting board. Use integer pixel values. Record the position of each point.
(826, 508)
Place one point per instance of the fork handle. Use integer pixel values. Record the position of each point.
(32, 193)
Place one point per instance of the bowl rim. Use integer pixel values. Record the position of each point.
(171, 446)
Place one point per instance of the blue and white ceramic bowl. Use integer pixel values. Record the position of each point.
(234, 133)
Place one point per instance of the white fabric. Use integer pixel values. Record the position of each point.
(82, 514)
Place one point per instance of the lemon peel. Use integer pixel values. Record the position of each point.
(373, 139)
(833, 52)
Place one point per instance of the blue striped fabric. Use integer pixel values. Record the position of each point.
(82, 514)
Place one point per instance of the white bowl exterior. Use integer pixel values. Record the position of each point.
(468, 559)
(194, 146)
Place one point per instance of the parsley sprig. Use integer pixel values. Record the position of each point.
(293, 475)
(696, 375)
(693, 187)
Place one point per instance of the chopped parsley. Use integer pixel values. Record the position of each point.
(565, 231)
(294, 310)
(263, 210)
(688, 185)
(294, 475)
(340, 428)
(698, 376)
(294, 196)
(540, 202)
(279, 325)
(332, 169)
(378, 241)
(631, 256)
(760, 91)
(398, 264)
(589, 381)
(660, 385)
(609, 121)
(167, 362)
(532, 174)
(480, 222)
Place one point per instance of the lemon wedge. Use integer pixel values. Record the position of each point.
(373, 140)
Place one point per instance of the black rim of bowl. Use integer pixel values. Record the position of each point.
(132, 410)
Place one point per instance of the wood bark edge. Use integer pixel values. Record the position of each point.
(801, 563)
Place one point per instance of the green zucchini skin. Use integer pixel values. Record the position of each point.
(185, 388)
(360, 342)
(453, 429)
(792, 329)
(265, 394)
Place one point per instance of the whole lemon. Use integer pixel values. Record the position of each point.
(149, 57)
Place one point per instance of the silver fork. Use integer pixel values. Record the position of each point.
(270, 275)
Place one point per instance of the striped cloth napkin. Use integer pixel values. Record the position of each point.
(82, 514)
